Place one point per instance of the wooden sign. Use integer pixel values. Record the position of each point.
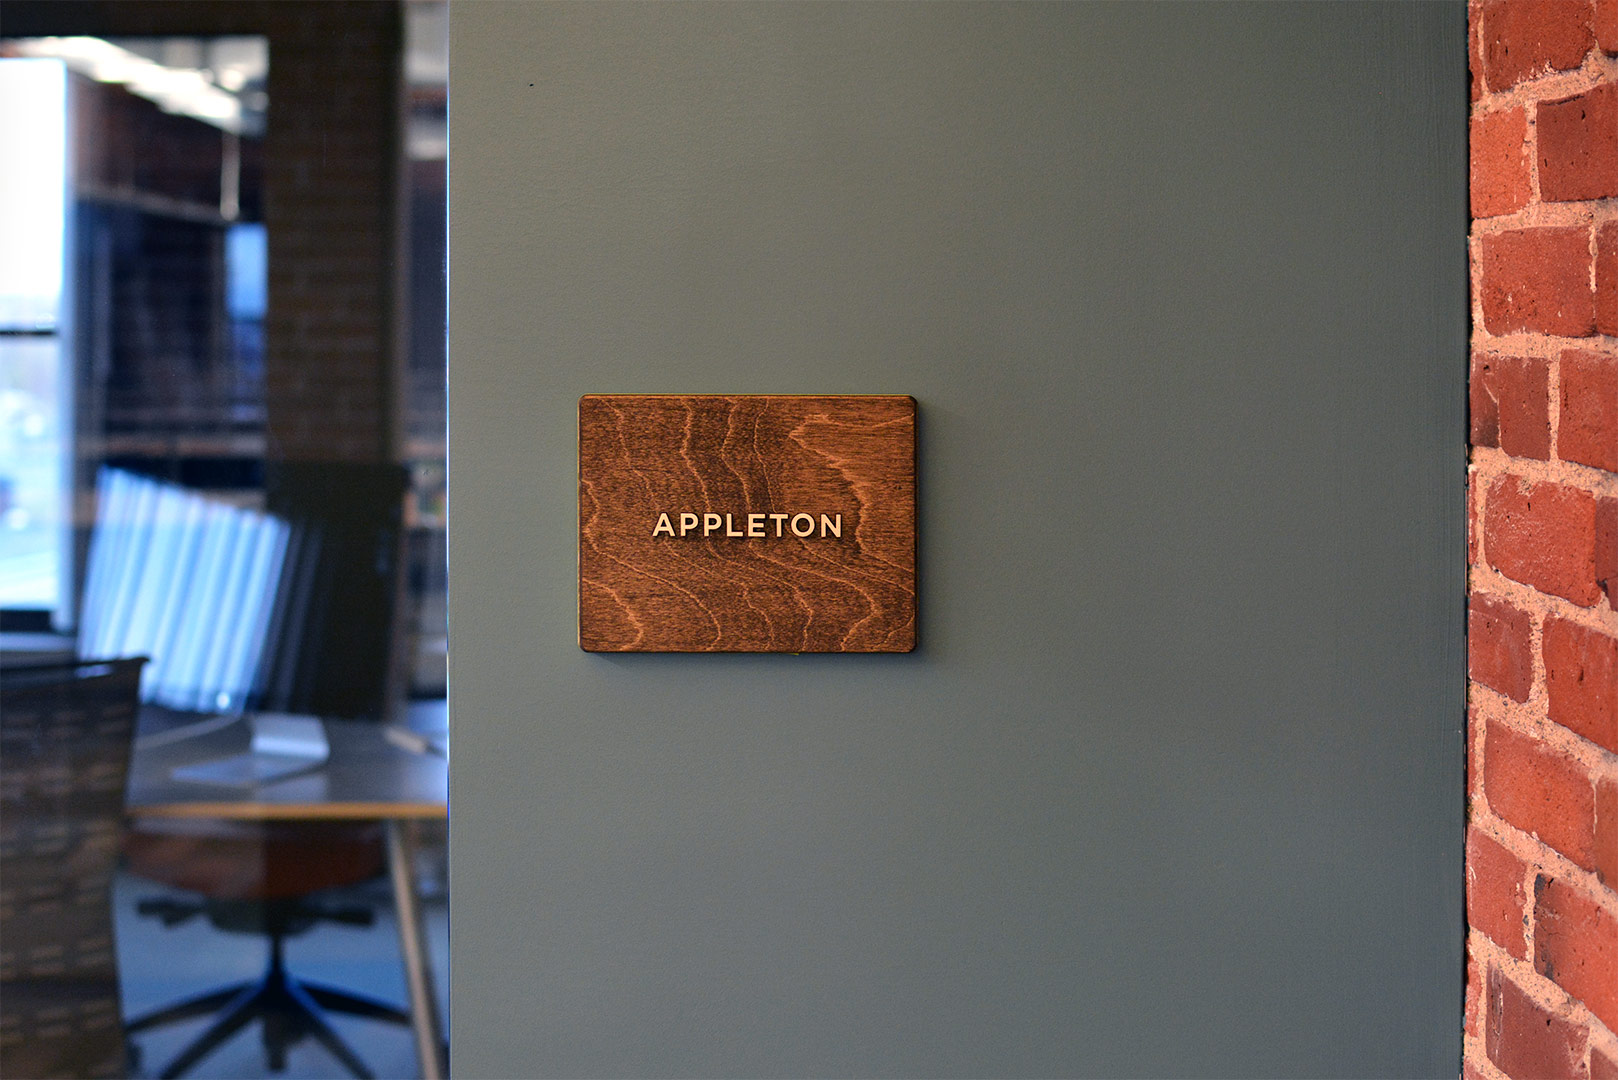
(747, 524)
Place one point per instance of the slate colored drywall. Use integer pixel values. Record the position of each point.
(1173, 783)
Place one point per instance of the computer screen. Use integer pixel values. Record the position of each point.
(186, 580)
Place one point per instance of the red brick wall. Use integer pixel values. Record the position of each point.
(332, 169)
(1542, 843)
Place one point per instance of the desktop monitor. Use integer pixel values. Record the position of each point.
(288, 609)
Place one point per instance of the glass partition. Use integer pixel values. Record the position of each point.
(279, 899)
(36, 391)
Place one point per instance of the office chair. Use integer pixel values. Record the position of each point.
(65, 731)
(261, 878)
(327, 651)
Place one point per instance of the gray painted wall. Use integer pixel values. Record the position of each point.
(1173, 783)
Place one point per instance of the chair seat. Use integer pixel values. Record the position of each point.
(258, 877)
(272, 860)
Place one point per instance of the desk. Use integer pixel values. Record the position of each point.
(366, 779)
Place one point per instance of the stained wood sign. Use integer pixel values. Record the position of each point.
(747, 524)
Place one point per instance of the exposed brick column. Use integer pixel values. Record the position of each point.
(1542, 845)
(331, 177)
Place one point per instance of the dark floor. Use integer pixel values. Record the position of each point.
(161, 965)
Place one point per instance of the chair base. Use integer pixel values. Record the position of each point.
(290, 1009)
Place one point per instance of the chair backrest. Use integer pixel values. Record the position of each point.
(65, 734)
(330, 645)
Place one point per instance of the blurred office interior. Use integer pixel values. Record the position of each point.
(222, 440)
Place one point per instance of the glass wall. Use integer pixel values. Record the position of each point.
(187, 290)
(35, 389)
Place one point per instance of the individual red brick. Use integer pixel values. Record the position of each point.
(1602, 1065)
(1606, 833)
(1524, 1039)
(1522, 387)
(1578, 146)
(1524, 407)
(1606, 559)
(1474, 52)
(1588, 430)
(1483, 401)
(1540, 791)
(1606, 26)
(1496, 893)
(1576, 946)
(1521, 39)
(1472, 520)
(1498, 652)
(1499, 146)
(1581, 675)
(1472, 1012)
(1544, 535)
(1538, 280)
(1607, 278)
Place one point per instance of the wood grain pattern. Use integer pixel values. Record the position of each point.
(750, 584)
